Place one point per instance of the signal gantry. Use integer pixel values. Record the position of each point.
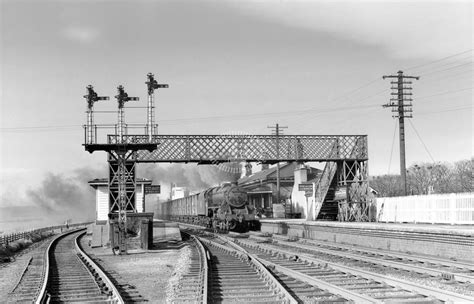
(120, 156)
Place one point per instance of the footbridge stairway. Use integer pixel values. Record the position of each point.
(349, 178)
(326, 207)
(329, 208)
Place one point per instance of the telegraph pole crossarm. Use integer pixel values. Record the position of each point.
(400, 107)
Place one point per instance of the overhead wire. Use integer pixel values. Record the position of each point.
(438, 60)
(421, 140)
(355, 107)
(443, 70)
(250, 116)
(436, 66)
(454, 109)
(445, 93)
(393, 143)
(443, 77)
(303, 113)
(360, 105)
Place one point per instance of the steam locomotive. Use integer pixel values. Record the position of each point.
(225, 207)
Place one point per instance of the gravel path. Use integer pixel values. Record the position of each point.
(142, 276)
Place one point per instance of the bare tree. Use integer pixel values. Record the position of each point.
(442, 176)
(426, 178)
(387, 185)
(463, 175)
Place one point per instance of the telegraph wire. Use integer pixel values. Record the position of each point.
(438, 60)
(307, 112)
(38, 127)
(456, 76)
(447, 110)
(303, 113)
(451, 68)
(457, 61)
(245, 116)
(393, 142)
(358, 105)
(419, 137)
(444, 93)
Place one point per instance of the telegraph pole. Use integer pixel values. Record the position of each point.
(400, 108)
(277, 130)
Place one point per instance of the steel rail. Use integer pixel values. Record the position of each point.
(115, 294)
(357, 298)
(42, 296)
(446, 296)
(394, 254)
(243, 254)
(204, 258)
(393, 264)
(263, 269)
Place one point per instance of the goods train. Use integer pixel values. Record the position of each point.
(225, 207)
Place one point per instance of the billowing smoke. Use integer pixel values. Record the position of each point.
(68, 196)
(63, 196)
(225, 172)
(58, 198)
(194, 177)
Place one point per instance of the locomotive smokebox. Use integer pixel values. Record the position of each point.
(229, 194)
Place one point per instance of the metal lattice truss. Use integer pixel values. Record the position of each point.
(121, 186)
(352, 172)
(213, 149)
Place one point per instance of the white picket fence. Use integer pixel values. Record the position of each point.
(452, 208)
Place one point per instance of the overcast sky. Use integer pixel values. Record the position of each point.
(247, 64)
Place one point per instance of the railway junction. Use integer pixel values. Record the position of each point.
(324, 239)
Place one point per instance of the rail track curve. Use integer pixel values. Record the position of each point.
(69, 275)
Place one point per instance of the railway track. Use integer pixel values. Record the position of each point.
(192, 286)
(448, 275)
(443, 269)
(64, 273)
(234, 276)
(311, 279)
(375, 284)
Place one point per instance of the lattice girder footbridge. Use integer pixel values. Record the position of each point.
(214, 149)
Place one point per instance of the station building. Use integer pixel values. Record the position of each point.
(102, 199)
(101, 229)
(262, 188)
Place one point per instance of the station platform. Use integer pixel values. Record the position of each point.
(446, 241)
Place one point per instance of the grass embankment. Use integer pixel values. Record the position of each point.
(8, 251)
